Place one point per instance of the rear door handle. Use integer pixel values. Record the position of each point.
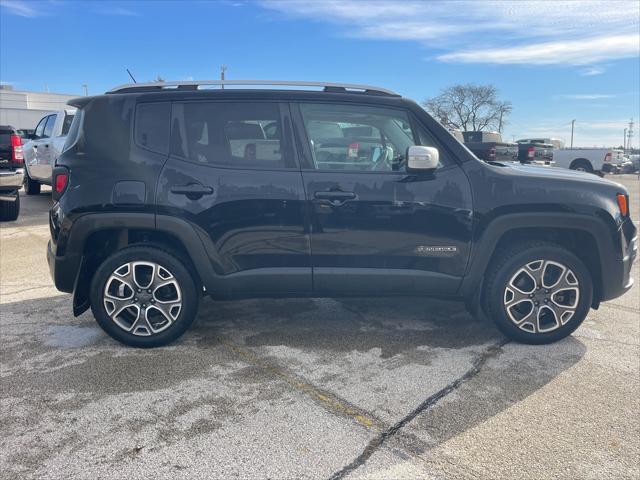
(335, 197)
(193, 191)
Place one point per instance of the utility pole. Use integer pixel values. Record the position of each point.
(573, 122)
(86, 89)
(223, 68)
(500, 122)
(624, 140)
(629, 133)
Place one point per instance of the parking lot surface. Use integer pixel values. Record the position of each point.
(309, 388)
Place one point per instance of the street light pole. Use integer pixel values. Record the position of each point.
(624, 140)
(223, 68)
(86, 89)
(573, 122)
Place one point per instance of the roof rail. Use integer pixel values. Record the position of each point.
(193, 85)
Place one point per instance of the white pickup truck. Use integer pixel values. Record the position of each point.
(593, 160)
(43, 148)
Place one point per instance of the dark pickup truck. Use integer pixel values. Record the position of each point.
(11, 172)
(490, 147)
(531, 150)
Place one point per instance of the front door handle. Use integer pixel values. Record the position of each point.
(335, 197)
(193, 191)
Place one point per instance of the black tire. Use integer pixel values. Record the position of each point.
(582, 165)
(498, 293)
(9, 211)
(31, 187)
(187, 292)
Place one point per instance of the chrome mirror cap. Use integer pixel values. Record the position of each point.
(422, 158)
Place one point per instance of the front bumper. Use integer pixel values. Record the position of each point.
(618, 280)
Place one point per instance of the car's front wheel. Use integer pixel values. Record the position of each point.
(144, 297)
(537, 292)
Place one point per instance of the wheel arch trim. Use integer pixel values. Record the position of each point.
(484, 247)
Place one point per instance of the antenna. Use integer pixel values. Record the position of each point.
(134, 80)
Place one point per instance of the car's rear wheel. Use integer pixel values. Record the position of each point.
(31, 187)
(144, 297)
(537, 292)
(9, 210)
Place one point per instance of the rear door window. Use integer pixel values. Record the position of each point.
(152, 126)
(68, 119)
(231, 134)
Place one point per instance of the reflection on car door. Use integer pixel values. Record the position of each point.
(375, 227)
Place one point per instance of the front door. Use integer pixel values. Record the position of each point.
(44, 152)
(376, 227)
(232, 172)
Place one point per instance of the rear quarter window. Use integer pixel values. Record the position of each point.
(152, 126)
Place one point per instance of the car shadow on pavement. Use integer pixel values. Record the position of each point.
(386, 356)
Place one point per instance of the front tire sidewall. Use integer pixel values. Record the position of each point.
(187, 285)
(495, 303)
(31, 187)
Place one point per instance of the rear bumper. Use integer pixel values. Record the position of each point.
(11, 180)
(64, 269)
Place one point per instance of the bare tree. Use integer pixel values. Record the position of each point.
(469, 107)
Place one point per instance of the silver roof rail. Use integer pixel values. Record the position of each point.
(131, 87)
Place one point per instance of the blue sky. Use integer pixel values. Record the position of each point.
(555, 61)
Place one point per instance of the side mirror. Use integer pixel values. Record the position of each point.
(421, 158)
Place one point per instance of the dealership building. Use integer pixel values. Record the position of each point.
(23, 109)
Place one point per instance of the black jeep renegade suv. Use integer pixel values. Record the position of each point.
(166, 192)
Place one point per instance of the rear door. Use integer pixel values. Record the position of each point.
(233, 174)
(375, 227)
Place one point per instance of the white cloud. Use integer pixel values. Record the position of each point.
(579, 32)
(574, 52)
(591, 71)
(118, 11)
(585, 96)
(21, 8)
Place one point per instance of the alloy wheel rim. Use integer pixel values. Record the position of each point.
(142, 298)
(542, 296)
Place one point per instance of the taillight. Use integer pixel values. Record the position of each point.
(622, 204)
(492, 153)
(531, 152)
(607, 157)
(17, 155)
(60, 181)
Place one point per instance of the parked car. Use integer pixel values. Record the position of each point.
(11, 172)
(490, 147)
(530, 150)
(165, 192)
(43, 148)
(556, 143)
(591, 160)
